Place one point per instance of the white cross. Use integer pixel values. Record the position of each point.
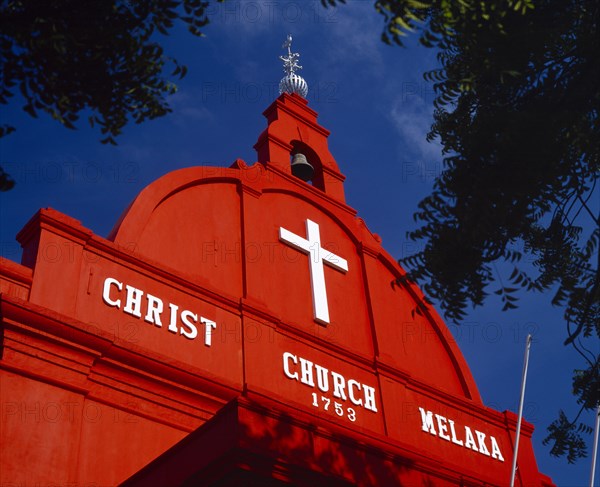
(317, 256)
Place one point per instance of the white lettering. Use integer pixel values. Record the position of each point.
(496, 449)
(173, 320)
(133, 305)
(427, 421)
(369, 398)
(455, 440)
(306, 366)
(322, 378)
(339, 385)
(287, 356)
(481, 439)
(106, 292)
(444, 424)
(442, 427)
(469, 440)
(352, 383)
(209, 326)
(341, 388)
(155, 308)
(192, 331)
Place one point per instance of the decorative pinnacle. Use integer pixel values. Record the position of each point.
(290, 62)
(292, 82)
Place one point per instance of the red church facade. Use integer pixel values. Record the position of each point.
(239, 326)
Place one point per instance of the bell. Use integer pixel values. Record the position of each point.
(301, 167)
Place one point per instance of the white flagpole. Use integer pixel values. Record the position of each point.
(595, 448)
(518, 433)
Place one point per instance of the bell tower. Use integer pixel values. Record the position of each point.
(294, 143)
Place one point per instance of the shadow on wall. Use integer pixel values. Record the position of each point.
(250, 444)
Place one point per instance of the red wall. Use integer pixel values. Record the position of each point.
(91, 392)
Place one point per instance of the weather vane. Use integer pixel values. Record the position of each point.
(290, 62)
(292, 82)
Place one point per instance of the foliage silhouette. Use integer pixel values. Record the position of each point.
(100, 58)
(517, 113)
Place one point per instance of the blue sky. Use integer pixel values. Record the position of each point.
(378, 108)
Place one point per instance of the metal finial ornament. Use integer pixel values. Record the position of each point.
(292, 82)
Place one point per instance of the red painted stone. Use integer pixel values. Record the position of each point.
(184, 348)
